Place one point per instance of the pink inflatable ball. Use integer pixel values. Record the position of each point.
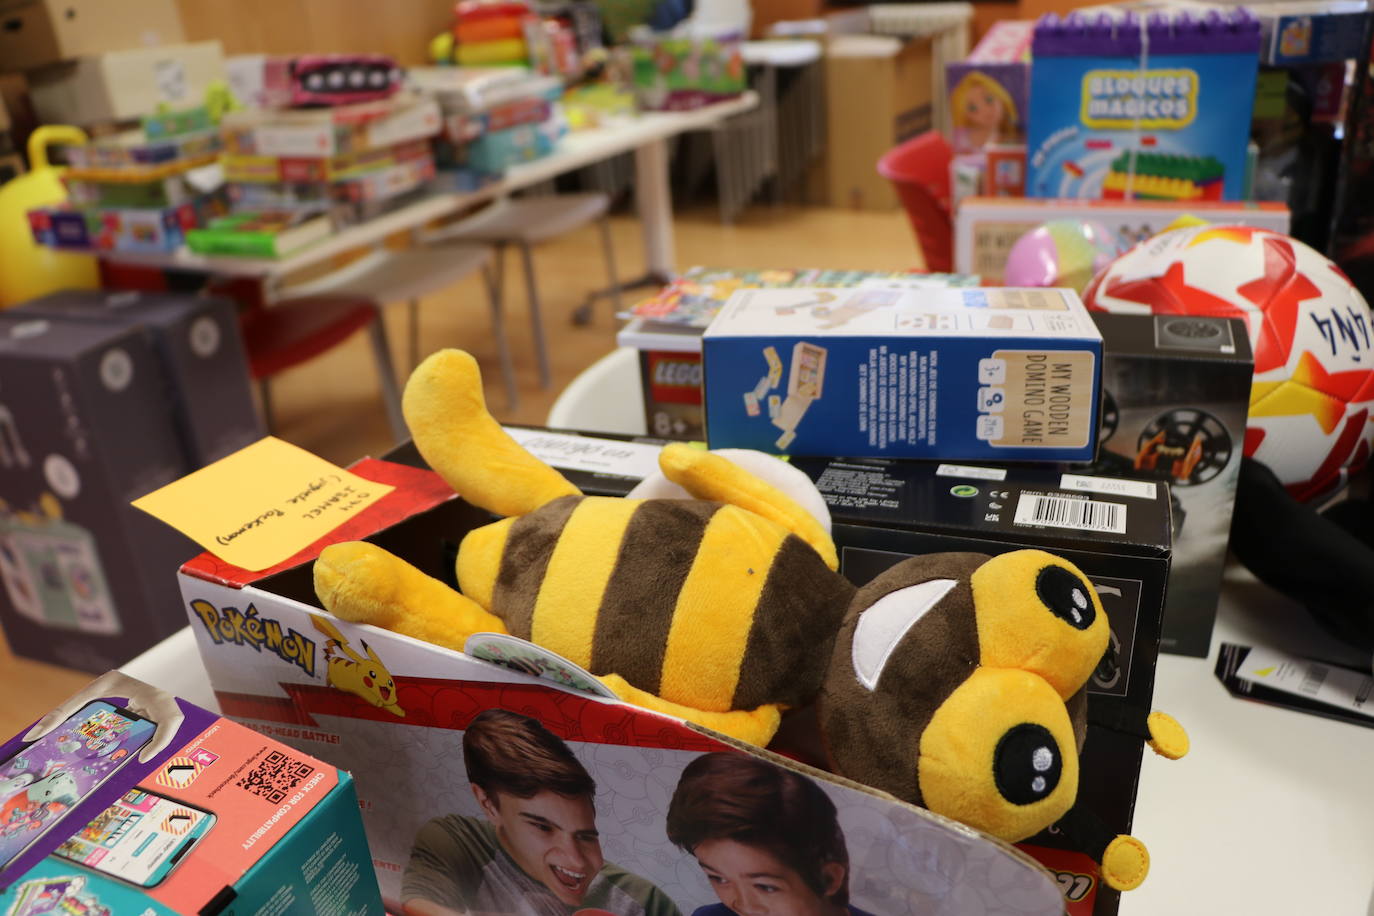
(1062, 252)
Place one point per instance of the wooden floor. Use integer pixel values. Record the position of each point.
(330, 406)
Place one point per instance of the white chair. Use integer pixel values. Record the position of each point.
(530, 221)
(407, 275)
(606, 397)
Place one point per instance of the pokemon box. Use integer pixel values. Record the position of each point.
(130, 801)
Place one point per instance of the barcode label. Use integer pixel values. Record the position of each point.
(1314, 678)
(1064, 512)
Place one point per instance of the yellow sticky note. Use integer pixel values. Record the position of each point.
(263, 503)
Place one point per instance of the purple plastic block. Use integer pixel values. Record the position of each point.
(1102, 34)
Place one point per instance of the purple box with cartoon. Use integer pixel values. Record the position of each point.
(989, 91)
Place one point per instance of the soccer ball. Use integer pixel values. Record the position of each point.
(1310, 329)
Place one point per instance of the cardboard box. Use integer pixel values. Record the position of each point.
(35, 33)
(670, 373)
(85, 427)
(223, 821)
(1114, 116)
(125, 85)
(992, 374)
(882, 511)
(989, 91)
(1176, 392)
(986, 228)
(878, 93)
(345, 130)
(202, 355)
(406, 748)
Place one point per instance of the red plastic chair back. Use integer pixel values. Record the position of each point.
(919, 171)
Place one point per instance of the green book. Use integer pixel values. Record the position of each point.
(259, 235)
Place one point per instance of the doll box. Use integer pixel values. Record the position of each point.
(403, 736)
(985, 228)
(86, 424)
(223, 822)
(996, 374)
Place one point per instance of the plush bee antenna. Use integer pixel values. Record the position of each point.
(1159, 730)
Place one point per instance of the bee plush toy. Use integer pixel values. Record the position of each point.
(954, 681)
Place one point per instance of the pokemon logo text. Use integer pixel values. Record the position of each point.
(246, 628)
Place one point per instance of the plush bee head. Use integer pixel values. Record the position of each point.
(952, 685)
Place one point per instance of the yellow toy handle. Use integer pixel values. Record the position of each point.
(50, 135)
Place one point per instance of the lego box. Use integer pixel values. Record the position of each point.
(1125, 107)
(218, 820)
(454, 752)
(999, 374)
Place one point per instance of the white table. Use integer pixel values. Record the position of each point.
(1272, 812)
(646, 136)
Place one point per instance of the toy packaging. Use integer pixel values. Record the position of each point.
(114, 86)
(86, 424)
(1006, 374)
(202, 355)
(986, 228)
(155, 231)
(882, 511)
(1176, 391)
(667, 327)
(1131, 107)
(989, 91)
(472, 722)
(320, 133)
(129, 800)
(678, 74)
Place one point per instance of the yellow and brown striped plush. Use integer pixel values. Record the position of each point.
(720, 609)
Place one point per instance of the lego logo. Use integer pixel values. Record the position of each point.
(684, 374)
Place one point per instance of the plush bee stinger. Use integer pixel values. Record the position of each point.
(954, 681)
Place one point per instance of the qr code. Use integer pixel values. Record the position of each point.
(277, 775)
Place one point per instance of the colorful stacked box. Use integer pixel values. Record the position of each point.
(680, 74)
(140, 191)
(492, 34)
(352, 160)
(493, 119)
(1159, 176)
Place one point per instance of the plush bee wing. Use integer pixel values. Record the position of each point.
(709, 476)
(447, 415)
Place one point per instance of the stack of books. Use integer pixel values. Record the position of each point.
(352, 162)
(493, 118)
(138, 191)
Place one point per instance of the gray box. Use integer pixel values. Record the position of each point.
(85, 427)
(1176, 397)
(202, 354)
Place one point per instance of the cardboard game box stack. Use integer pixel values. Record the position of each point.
(121, 393)
(135, 801)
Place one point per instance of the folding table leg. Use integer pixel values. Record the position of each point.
(490, 274)
(536, 322)
(608, 247)
(386, 373)
(413, 329)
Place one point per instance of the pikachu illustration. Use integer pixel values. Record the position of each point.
(361, 675)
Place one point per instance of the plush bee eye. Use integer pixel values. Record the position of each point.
(1007, 769)
(1038, 613)
(1066, 596)
(1027, 764)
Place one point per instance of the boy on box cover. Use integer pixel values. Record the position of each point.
(768, 839)
(537, 852)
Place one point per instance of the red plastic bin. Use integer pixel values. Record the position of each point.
(919, 171)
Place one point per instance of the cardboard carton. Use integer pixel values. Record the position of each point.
(879, 92)
(85, 426)
(202, 354)
(116, 86)
(268, 649)
(34, 33)
(222, 821)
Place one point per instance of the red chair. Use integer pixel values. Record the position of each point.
(919, 171)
